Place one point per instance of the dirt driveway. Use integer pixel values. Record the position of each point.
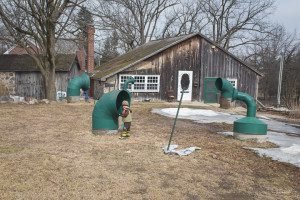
(47, 151)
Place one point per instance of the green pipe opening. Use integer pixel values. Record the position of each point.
(77, 83)
(109, 107)
(107, 110)
(230, 93)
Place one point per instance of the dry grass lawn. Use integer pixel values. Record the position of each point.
(47, 151)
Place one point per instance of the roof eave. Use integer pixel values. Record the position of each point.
(148, 56)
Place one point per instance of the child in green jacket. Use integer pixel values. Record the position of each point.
(126, 119)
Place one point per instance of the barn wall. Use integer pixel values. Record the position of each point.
(195, 54)
(61, 81)
(217, 63)
(184, 56)
(30, 84)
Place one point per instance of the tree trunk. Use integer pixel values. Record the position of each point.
(49, 83)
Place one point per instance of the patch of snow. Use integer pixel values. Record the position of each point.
(289, 143)
(280, 109)
(294, 149)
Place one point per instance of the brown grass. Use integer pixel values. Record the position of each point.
(48, 152)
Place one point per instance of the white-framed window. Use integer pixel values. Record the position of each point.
(233, 81)
(143, 83)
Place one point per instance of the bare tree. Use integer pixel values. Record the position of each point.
(135, 21)
(40, 23)
(229, 23)
(185, 18)
(265, 56)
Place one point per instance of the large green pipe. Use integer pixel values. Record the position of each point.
(77, 83)
(109, 107)
(107, 110)
(251, 105)
(247, 125)
(230, 93)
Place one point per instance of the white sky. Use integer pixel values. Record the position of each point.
(288, 13)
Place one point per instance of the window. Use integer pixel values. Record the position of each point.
(233, 81)
(143, 83)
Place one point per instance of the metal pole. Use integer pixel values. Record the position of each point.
(173, 128)
(279, 80)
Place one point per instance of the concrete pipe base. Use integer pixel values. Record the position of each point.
(73, 99)
(104, 132)
(257, 138)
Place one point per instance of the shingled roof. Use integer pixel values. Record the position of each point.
(26, 63)
(144, 52)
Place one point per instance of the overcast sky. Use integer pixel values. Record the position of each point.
(288, 14)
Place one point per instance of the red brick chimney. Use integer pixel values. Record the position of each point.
(90, 49)
(80, 52)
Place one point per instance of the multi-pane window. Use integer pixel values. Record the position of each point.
(143, 83)
(233, 81)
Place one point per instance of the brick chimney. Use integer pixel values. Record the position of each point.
(90, 49)
(80, 52)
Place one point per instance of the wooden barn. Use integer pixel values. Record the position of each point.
(21, 77)
(158, 66)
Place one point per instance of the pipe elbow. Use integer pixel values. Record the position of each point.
(249, 101)
(127, 82)
(226, 88)
(77, 83)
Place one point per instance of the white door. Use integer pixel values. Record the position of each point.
(187, 96)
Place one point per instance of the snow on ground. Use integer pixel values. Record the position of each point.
(286, 136)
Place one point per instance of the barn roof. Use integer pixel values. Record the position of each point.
(147, 50)
(10, 62)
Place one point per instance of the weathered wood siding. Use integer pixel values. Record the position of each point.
(183, 56)
(217, 63)
(195, 54)
(30, 84)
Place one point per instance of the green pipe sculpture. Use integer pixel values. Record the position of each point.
(248, 127)
(109, 107)
(74, 86)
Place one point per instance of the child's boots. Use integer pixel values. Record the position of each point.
(124, 135)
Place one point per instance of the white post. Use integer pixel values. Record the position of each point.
(279, 80)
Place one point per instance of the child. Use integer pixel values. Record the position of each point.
(126, 118)
(86, 96)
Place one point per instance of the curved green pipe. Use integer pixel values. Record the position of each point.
(127, 82)
(107, 110)
(109, 107)
(229, 92)
(77, 83)
(249, 101)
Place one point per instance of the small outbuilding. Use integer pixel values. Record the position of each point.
(20, 76)
(158, 66)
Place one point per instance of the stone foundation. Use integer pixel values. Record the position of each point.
(7, 83)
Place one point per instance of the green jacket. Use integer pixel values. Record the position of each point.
(128, 118)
